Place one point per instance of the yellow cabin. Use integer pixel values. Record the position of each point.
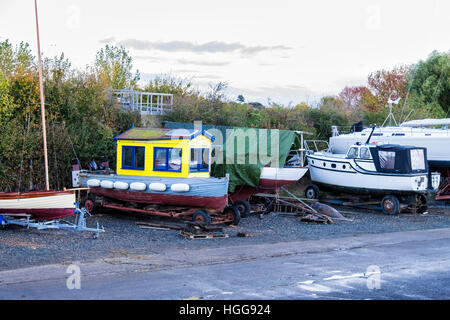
(179, 153)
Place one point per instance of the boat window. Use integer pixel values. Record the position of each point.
(133, 158)
(352, 153)
(365, 153)
(199, 160)
(387, 159)
(417, 159)
(167, 159)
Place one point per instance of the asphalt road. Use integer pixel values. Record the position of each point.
(402, 265)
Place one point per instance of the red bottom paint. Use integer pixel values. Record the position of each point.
(42, 214)
(215, 203)
(274, 184)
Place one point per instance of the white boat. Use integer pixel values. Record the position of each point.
(392, 171)
(272, 177)
(420, 133)
(40, 205)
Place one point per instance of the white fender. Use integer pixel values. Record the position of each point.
(156, 186)
(93, 183)
(107, 184)
(120, 185)
(179, 187)
(138, 186)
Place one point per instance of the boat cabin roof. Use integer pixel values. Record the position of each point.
(151, 134)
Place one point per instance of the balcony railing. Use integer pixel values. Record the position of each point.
(144, 102)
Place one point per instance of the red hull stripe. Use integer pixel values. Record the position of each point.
(217, 203)
(273, 184)
(42, 214)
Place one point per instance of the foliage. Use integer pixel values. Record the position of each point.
(113, 66)
(430, 82)
(82, 116)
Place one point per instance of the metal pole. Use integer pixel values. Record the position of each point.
(41, 89)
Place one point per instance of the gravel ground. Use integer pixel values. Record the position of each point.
(23, 248)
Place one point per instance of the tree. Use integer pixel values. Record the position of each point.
(113, 66)
(240, 98)
(430, 83)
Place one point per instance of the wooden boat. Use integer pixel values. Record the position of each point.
(41, 205)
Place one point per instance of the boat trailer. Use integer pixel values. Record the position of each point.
(24, 220)
(229, 215)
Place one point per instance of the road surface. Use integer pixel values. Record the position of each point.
(403, 265)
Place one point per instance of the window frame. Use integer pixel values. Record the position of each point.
(199, 164)
(167, 149)
(133, 158)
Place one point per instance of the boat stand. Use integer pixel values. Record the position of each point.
(24, 220)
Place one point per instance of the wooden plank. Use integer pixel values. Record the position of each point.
(203, 235)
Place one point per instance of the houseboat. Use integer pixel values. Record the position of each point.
(160, 172)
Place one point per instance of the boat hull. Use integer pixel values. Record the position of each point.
(207, 193)
(206, 202)
(40, 205)
(274, 178)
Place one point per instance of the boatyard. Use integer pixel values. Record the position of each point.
(224, 158)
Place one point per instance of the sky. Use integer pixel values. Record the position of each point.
(285, 51)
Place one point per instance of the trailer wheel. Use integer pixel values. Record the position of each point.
(390, 205)
(312, 192)
(89, 204)
(234, 214)
(244, 208)
(201, 216)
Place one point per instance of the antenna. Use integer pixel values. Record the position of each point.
(390, 116)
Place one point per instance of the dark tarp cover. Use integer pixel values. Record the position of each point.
(257, 142)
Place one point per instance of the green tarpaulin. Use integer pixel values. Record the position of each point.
(252, 149)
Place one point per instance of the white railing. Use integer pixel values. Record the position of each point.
(144, 102)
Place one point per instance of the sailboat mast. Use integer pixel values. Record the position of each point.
(41, 89)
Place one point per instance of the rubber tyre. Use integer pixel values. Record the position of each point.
(244, 208)
(312, 192)
(236, 215)
(201, 216)
(89, 204)
(390, 205)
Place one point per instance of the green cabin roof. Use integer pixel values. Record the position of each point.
(147, 134)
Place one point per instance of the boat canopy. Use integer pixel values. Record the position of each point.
(393, 158)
